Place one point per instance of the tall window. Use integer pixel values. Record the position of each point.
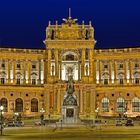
(18, 66)
(19, 105)
(3, 65)
(121, 66)
(33, 66)
(105, 81)
(120, 105)
(105, 105)
(18, 81)
(121, 81)
(4, 103)
(136, 65)
(136, 105)
(105, 66)
(2, 80)
(136, 80)
(33, 81)
(34, 105)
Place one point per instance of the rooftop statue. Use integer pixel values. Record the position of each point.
(69, 20)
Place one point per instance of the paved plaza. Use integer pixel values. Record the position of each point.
(72, 133)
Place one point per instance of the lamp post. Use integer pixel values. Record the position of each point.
(97, 111)
(42, 115)
(125, 114)
(1, 109)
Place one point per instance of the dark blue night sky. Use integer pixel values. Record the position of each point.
(23, 22)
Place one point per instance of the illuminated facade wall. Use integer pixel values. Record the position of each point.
(35, 80)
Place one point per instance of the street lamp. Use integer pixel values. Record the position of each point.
(42, 115)
(1, 109)
(97, 111)
(125, 114)
(16, 116)
(42, 110)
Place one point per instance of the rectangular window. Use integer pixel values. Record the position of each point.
(121, 81)
(2, 81)
(136, 65)
(120, 107)
(18, 66)
(33, 81)
(106, 66)
(33, 66)
(135, 106)
(18, 82)
(121, 66)
(3, 65)
(136, 81)
(105, 81)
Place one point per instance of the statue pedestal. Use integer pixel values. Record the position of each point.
(70, 114)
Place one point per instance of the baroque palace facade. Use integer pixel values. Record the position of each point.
(34, 81)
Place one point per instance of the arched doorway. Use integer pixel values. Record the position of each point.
(70, 66)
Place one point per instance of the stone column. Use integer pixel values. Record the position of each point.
(91, 62)
(110, 72)
(94, 71)
(39, 72)
(81, 101)
(48, 102)
(45, 71)
(58, 102)
(85, 101)
(55, 100)
(42, 72)
(130, 71)
(115, 73)
(83, 63)
(79, 70)
(60, 65)
(125, 72)
(24, 66)
(29, 72)
(9, 77)
(14, 71)
(100, 72)
(56, 64)
(92, 102)
(49, 62)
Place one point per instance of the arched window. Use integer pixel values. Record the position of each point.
(120, 105)
(19, 105)
(121, 78)
(136, 77)
(34, 78)
(34, 105)
(105, 78)
(19, 78)
(136, 105)
(105, 104)
(4, 103)
(2, 77)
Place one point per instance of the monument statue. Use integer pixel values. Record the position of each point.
(70, 99)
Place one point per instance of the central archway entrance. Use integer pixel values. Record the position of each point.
(70, 66)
